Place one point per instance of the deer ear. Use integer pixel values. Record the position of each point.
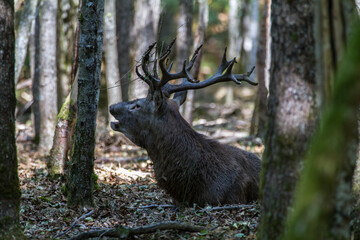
(180, 97)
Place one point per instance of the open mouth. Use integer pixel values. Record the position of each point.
(115, 126)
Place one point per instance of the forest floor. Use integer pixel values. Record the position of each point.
(127, 194)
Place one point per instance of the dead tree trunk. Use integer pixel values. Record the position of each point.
(292, 110)
(81, 180)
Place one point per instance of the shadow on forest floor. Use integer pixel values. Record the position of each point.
(127, 193)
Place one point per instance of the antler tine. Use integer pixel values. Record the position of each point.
(155, 68)
(192, 61)
(246, 77)
(184, 73)
(148, 78)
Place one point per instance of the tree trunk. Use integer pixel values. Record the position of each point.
(292, 113)
(111, 57)
(58, 159)
(124, 15)
(332, 154)
(183, 41)
(81, 179)
(22, 39)
(47, 74)
(234, 41)
(199, 39)
(34, 50)
(145, 35)
(66, 25)
(258, 121)
(9, 180)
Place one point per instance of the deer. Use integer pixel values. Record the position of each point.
(190, 167)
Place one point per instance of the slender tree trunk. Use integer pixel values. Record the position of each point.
(48, 74)
(63, 137)
(332, 154)
(9, 180)
(234, 41)
(124, 15)
(145, 35)
(258, 121)
(23, 34)
(292, 111)
(199, 39)
(66, 25)
(34, 50)
(81, 179)
(111, 57)
(183, 41)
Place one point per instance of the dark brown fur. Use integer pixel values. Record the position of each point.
(188, 165)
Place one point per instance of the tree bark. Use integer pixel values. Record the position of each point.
(124, 16)
(23, 34)
(292, 111)
(258, 121)
(199, 39)
(66, 26)
(9, 180)
(81, 179)
(34, 50)
(332, 154)
(183, 43)
(111, 57)
(58, 161)
(47, 74)
(145, 35)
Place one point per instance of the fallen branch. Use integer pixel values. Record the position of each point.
(231, 207)
(160, 206)
(124, 232)
(74, 223)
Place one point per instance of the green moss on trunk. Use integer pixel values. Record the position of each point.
(332, 157)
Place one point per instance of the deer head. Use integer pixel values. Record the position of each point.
(140, 118)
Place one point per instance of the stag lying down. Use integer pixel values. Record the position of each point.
(187, 165)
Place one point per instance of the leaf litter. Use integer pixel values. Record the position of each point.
(126, 194)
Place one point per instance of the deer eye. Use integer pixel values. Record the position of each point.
(134, 107)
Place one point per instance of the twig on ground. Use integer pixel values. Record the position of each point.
(230, 207)
(74, 224)
(124, 232)
(156, 206)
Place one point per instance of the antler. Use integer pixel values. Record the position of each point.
(223, 73)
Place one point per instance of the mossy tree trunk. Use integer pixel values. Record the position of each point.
(57, 163)
(9, 180)
(292, 114)
(81, 179)
(332, 157)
